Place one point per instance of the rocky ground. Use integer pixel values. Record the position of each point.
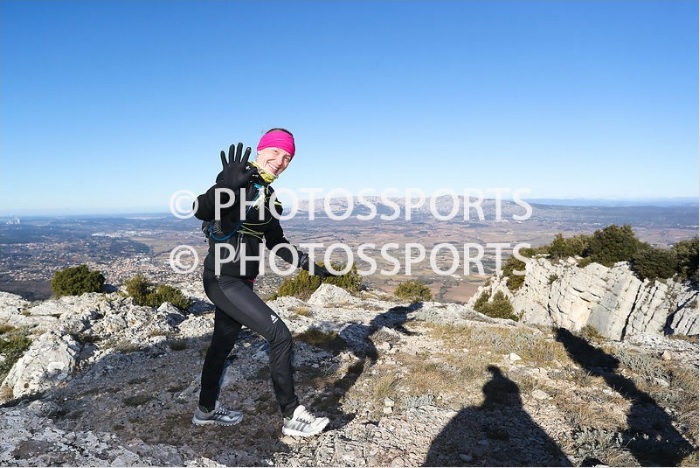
(403, 384)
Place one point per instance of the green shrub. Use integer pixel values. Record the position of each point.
(413, 291)
(653, 262)
(137, 288)
(498, 307)
(74, 281)
(568, 247)
(619, 243)
(145, 293)
(12, 346)
(613, 244)
(303, 284)
(530, 252)
(350, 281)
(165, 293)
(687, 256)
(514, 281)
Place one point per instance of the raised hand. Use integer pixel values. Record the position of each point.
(236, 173)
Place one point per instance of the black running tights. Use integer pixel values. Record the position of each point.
(237, 305)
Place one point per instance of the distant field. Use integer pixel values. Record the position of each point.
(31, 251)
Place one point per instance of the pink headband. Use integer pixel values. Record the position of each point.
(277, 139)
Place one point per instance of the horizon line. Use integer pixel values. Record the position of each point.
(574, 201)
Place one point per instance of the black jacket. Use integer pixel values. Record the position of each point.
(244, 235)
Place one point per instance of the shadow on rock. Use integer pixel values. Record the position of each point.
(499, 432)
(650, 436)
(361, 340)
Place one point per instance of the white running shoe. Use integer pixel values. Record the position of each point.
(303, 424)
(220, 416)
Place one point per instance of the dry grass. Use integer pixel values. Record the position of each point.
(582, 378)
(304, 311)
(595, 401)
(452, 372)
(330, 341)
(691, 460)
(585, 414)
(536, 348)
(683, 392)
(6, 393)
(680, 391)
(528, 383)
(690, 339)
(384, 387)
(127, 347)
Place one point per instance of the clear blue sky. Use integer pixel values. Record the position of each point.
(112, 106)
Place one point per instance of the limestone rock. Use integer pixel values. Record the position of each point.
(50, 359)
(17, 312)
(328, 295)
(612, 300)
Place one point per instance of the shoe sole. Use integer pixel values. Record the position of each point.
(204, 422)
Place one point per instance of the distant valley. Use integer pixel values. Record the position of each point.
(33, 248)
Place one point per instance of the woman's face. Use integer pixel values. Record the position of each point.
(273, 160)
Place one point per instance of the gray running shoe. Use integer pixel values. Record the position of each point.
(303, 424)
(220, 416)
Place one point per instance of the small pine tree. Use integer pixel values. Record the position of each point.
(145, 293)
(481, 302)
(74, 281)
(350, 281)
(413, 291)
(499, 307)
(137, 288)
(303, 284)
(166, 293)
(514, 281)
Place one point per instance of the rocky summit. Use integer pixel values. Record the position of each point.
(105, 382)
(613, 301)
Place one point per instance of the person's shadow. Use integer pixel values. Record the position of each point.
(650, 435)
(499, 432)
(357, 339)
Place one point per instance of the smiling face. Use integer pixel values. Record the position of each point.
(273, 160)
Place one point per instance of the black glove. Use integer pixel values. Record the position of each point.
(322, 273)
(236, 173)
(319, 271)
